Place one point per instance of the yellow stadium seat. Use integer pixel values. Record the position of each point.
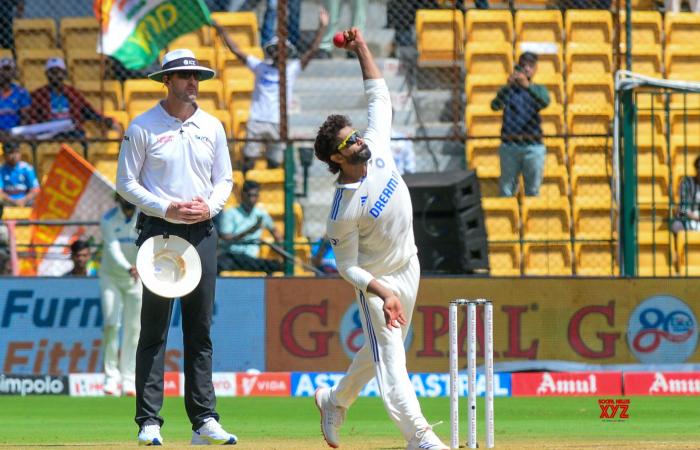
(652, 217)
(685, 123)
(225, 117)
(226, 60)
(651, 124)
(552, 120)
(271, 184)
(596, 259)
(592, 153)
(34, 34)
(482, 88)
(84, 64)
(594, 219)
(646, 27)
(106, 165)
(682, 62)
(590, 89)
(546, 218)
(588, 58)
(211, 95)
(241, 26)
(684, 152)
(198, 38)
(31, 65)
(547, 258)
(6, 53)
(554, 183)
(655, 256)
(682, 28)
(489, 58)
(482, 121)
(688, 249)
(555, 158)
(16, 212)
(143, 89)
(483, 25)
(105, 95)
(439, 36)
(549, 62)
(504, 259)
(650, 150)
(554, 84)
(483, 154)
(502, 218)
(242, 274)
(121, 118)
(240, 121)
(277, 211)
(205, 56)
(590, 184)
(589, 26)
(646, 59)
(652, 183)
(539, 26)
(587, 119)
(139, 106)
(488, 181)
(79, 32)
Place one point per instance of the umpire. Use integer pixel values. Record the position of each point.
(175, 167)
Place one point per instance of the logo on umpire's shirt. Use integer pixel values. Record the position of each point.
(126, 138)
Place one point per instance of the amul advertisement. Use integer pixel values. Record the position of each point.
(313, 324)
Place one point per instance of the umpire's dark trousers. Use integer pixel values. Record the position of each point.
(197, 308)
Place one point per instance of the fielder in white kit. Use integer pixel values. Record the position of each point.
(121, 297)
(371, 230)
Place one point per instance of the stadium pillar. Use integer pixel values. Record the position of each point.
(628, 226)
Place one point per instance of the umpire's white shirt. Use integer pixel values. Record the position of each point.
(370, 224)
(164, 159)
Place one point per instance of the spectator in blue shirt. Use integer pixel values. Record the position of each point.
(14, 99)
(323, 257)
(18, 183)
(242, 227)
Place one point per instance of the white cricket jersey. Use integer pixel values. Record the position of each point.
(370, 224)
(118, 248)
(163, 160)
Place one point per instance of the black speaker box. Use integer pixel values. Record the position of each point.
(448, 222)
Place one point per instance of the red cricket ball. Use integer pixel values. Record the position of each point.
(339, 39)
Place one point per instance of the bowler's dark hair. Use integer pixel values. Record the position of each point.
(327, 139)
(78, 245)
(250, 185)
(527, 58)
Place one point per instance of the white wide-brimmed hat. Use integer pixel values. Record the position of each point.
(181, 59)
(169, 266)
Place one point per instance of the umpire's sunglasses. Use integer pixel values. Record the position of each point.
(351, 139)
(186, 74)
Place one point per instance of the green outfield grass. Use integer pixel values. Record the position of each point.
(292, 423)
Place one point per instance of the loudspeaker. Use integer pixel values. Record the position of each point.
(448, 222)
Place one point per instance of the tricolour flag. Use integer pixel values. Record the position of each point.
(135, 31)
(72, 191)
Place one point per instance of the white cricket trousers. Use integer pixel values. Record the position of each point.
(121, 303)
(383, 354)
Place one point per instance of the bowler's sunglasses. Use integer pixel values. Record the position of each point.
(186, 74)
(351, 139)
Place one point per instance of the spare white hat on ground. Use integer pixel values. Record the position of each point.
(169, 267)
(52, 63)
(181, 59)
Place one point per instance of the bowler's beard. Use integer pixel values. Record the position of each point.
(361, 156)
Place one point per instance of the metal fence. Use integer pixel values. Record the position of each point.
(466, 92)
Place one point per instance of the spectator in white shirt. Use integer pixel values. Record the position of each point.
(264, 120)
(402, 150)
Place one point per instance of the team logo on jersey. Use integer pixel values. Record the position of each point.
(380, 163)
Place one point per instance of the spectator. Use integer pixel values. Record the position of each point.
(5, 262)
(121, 291)
(402, 150)
(80, 255)
(675, 5)
(264, 111)
(243, 226)
(323, 257)
(521, 133)
(359, 16)
(9, 11)
(57, 101)
(268, 30)
(586, 4)
(18, 183)
(688, 214)
(14, 99)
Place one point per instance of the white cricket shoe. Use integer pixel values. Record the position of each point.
(211, 433)
(150, 435)
(332, 417)
(111, 388)
(426, 439)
